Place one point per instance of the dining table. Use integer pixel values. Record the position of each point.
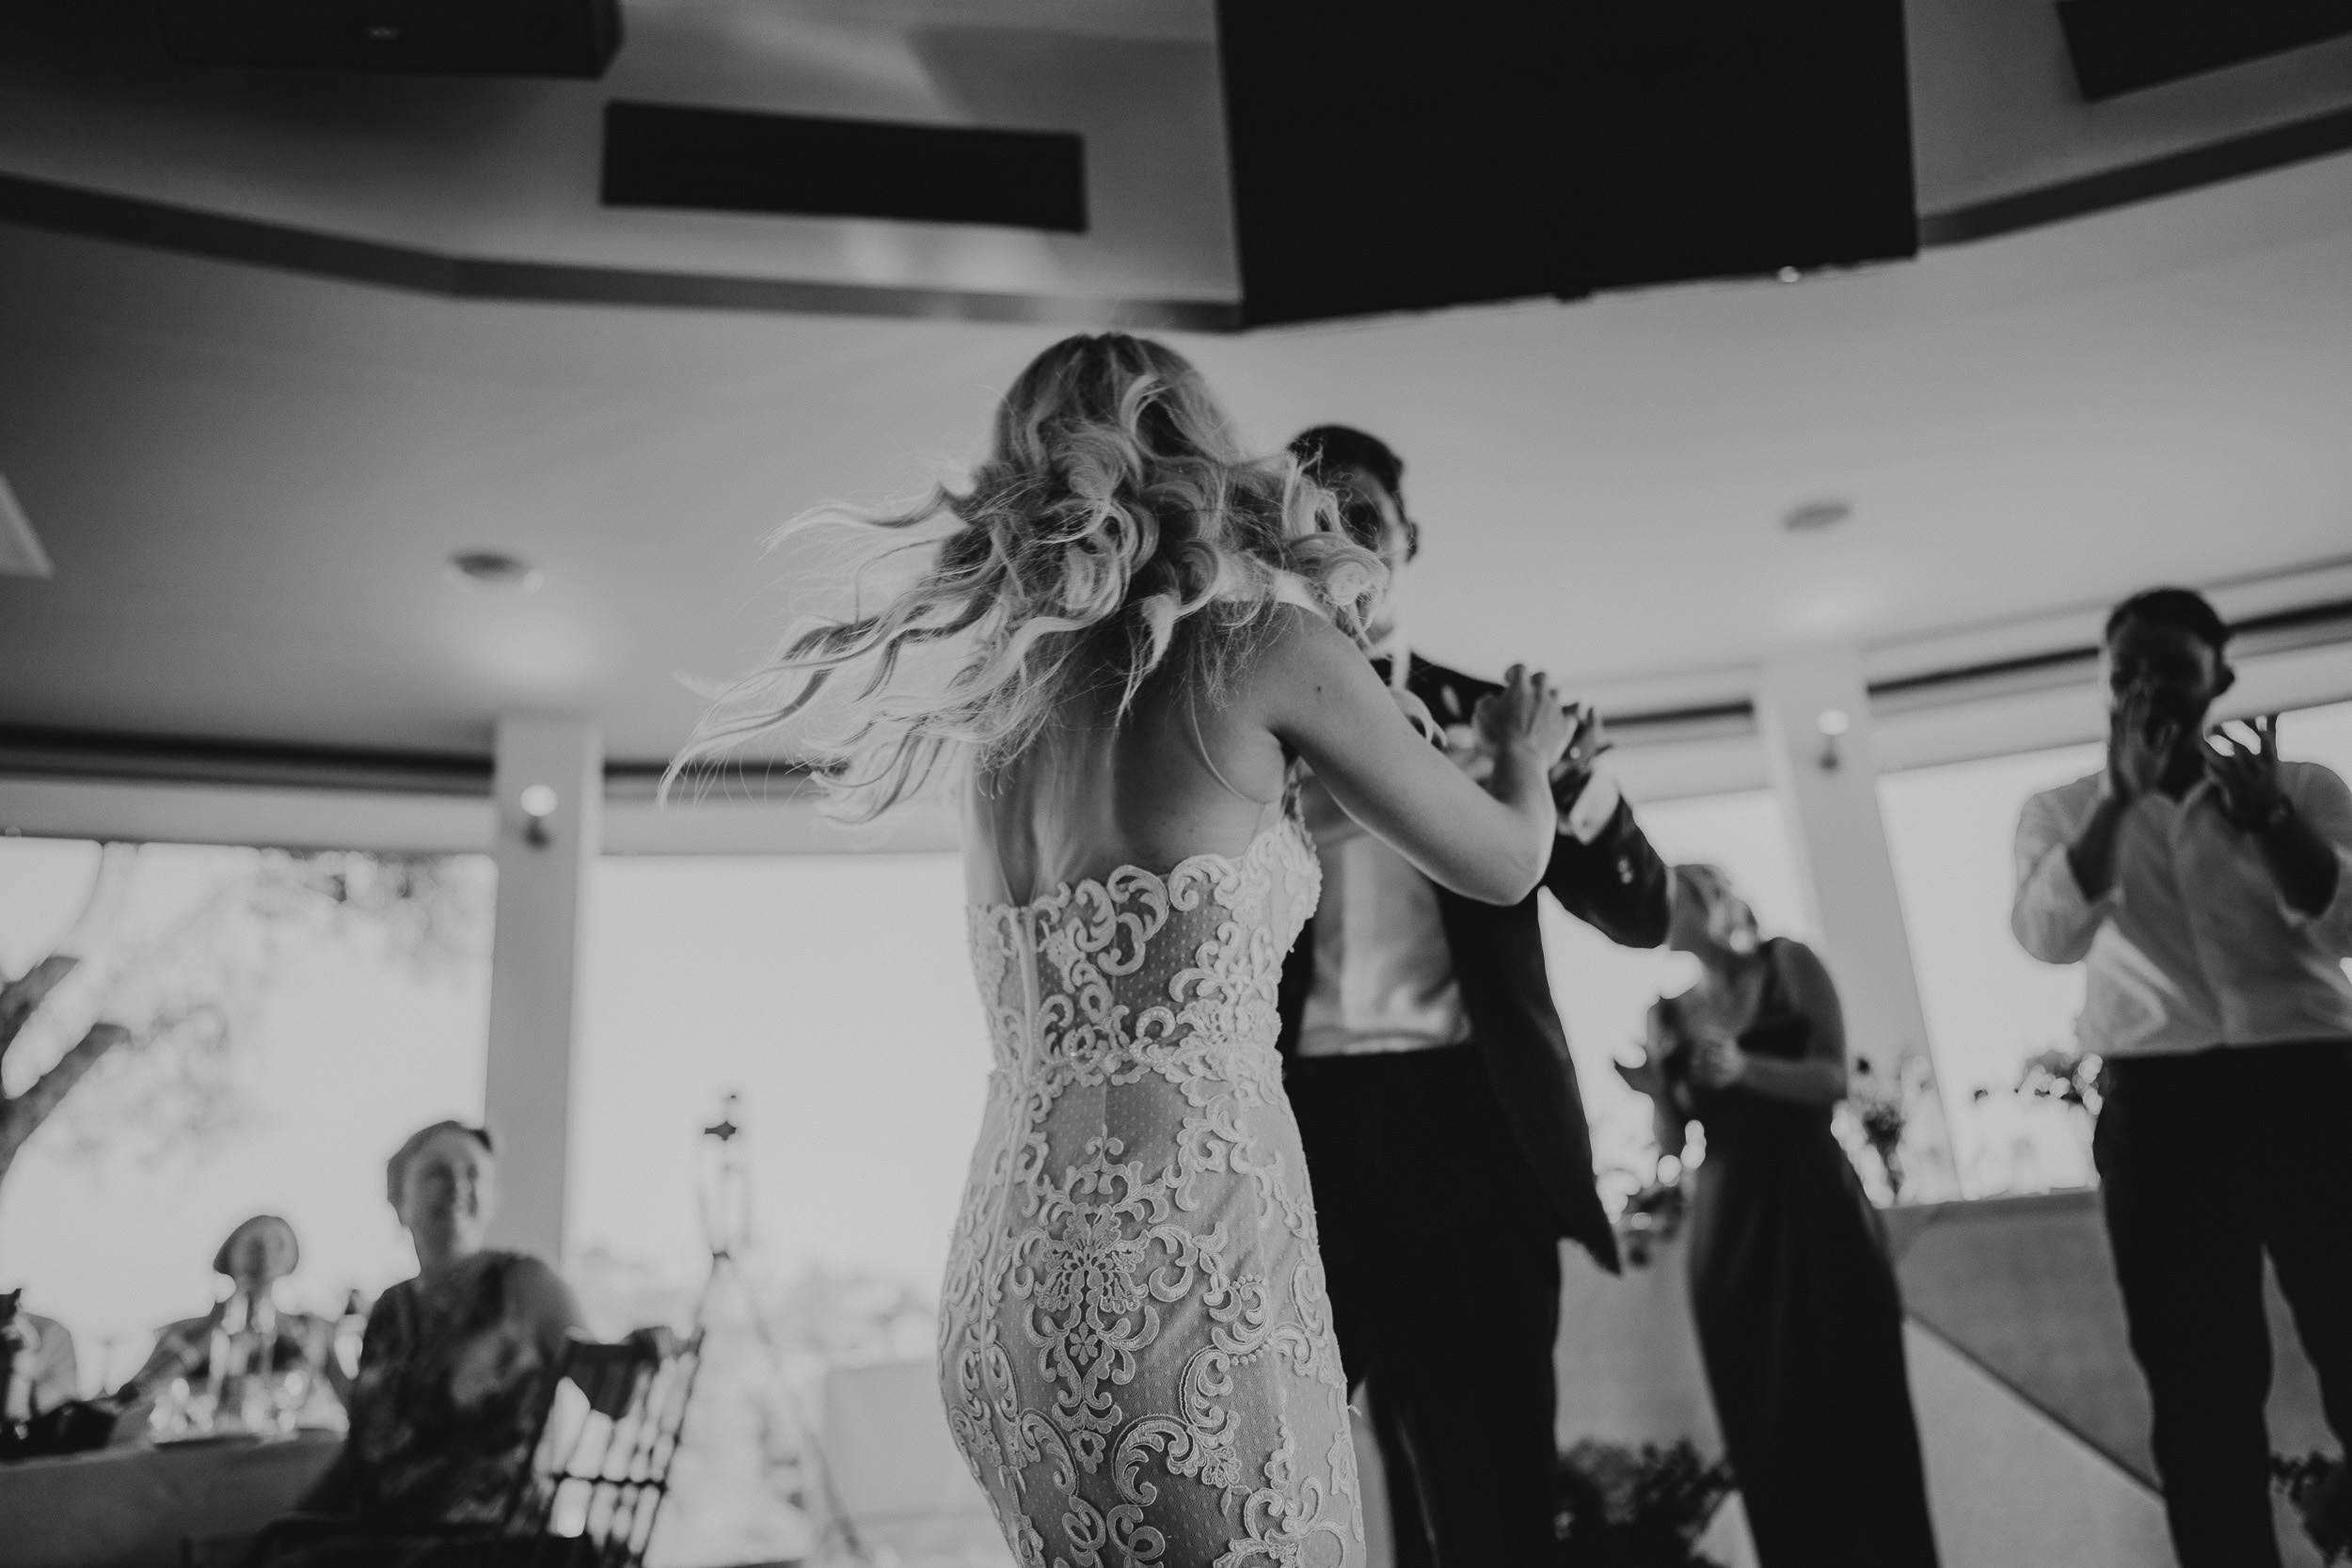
(133, 1505)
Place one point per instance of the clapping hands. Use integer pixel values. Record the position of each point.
(2138, 744)
(2247, 775)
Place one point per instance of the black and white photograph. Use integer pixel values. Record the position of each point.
(1175, 784)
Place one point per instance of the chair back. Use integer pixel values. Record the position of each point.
(602, 1465)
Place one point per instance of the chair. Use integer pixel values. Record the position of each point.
(600, 1467)
(599, 1473)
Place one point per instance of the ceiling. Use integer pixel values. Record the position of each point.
(248, 479)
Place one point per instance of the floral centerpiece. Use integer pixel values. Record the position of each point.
(2063, 1077)
(2320, 1488)
(1653, 1215)
(1882, 1110)
(1624, 1507)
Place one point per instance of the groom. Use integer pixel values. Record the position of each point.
(1444, 1135)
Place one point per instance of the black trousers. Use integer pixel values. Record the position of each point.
(2206, 1162)
(1444, 1274)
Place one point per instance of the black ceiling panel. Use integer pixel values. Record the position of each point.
(2122, 45)
(721, 160)
(1398, 156)
(433, 38)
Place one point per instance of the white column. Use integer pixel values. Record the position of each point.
(549, 789)
(1815, 713)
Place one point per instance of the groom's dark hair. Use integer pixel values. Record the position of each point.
(1330, 449)
(2182, 609)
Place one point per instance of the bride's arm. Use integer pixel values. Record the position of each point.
(1318, 694)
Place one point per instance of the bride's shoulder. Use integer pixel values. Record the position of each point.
(1300, 643)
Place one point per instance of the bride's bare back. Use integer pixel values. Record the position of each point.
(1184, 775)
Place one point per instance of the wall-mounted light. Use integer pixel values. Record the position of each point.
(1831, 723)
(538, 803)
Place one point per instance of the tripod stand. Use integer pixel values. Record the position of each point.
(723, 1198)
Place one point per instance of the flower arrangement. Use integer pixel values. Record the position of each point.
(1624, 1507)
(1883, 1110)
(1653, 1214)
(2320, 1488)
(2064, 1077)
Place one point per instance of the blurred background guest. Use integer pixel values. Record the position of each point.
(38, 1368)
(2206, 887)
(1800, 1321)
(258, 1254)
(455, 1374)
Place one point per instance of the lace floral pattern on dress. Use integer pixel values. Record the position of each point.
(1135, 1351)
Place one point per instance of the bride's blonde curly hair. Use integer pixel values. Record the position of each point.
(1114, 528)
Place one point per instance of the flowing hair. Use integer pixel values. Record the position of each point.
(1729, 920)
(1114, 528)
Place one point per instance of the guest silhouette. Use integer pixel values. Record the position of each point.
(455, 1375)
(258, 1254)
(1799, 1320)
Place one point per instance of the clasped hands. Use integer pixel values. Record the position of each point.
(1527, 711)
(1716, 1062)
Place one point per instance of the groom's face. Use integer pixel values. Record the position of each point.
(1373, 516)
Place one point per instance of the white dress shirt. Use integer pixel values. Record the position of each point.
(2192, 946)
(1383, 975)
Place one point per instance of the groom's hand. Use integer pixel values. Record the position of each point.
(1586, 742)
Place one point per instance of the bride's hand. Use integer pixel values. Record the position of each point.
(1525, 715)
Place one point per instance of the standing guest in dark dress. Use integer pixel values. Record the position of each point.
(1800, 1324)
(455, 1374)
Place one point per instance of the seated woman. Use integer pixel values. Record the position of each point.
(38, 1370)
(256, 1255)
(455, 1374)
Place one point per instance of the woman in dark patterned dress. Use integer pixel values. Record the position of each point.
(1799, 1319)
(454, 1374)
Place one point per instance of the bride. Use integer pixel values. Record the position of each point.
(1129, 636)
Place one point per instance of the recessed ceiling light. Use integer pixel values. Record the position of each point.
(20, 555)
(1813, 516)
(494, 571)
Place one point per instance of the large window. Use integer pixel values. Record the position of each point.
(2319, 735)
(834, 994)
(298, 1016)
(1990, 1008)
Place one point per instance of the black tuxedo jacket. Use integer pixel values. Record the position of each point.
(1616, 883)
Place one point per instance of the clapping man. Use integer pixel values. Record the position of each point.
(2207, 886)
(1439, 1109)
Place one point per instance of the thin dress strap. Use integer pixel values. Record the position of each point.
(1192, 717)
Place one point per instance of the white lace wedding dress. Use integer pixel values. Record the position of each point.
(1135, 1347)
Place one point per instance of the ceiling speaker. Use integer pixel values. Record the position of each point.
(444, 37)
